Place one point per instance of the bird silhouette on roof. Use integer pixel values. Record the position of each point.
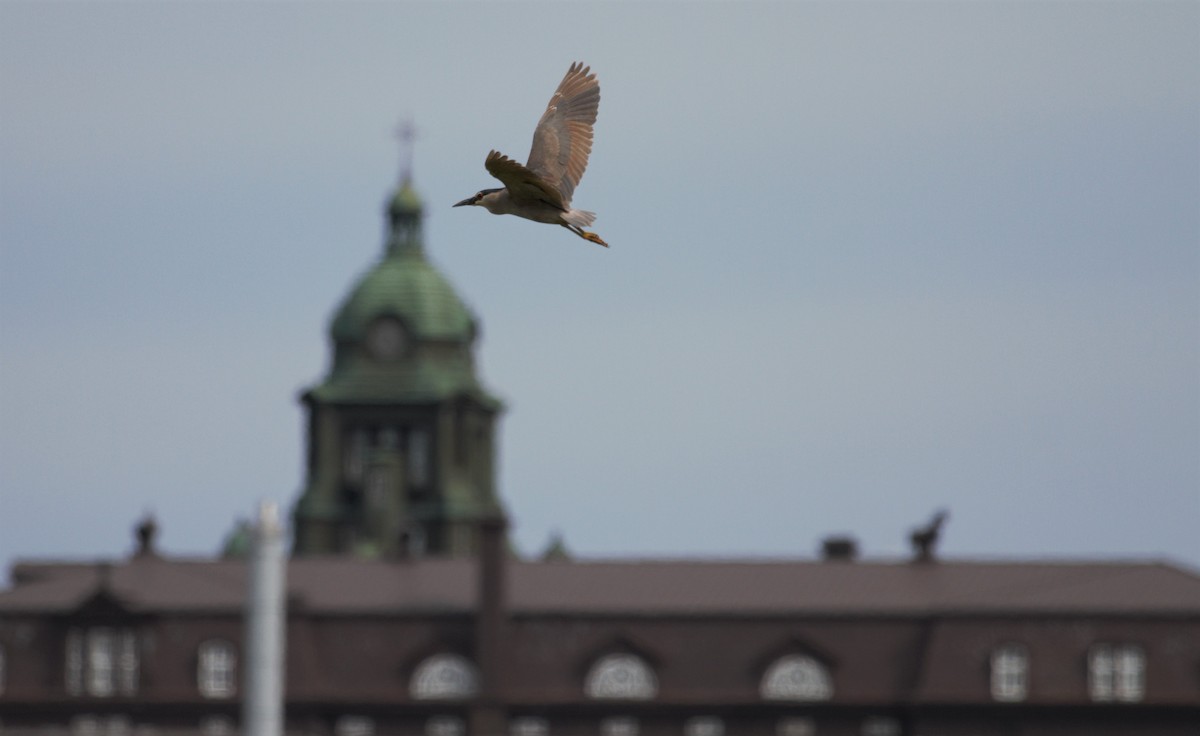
(541, 190)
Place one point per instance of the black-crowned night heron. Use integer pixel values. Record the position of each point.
(541, 189)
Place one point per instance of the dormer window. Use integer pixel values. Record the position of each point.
(101, 662)
(621, 677)
(1117, 672)
(444, 677)
(1010, 673)
(796, 677)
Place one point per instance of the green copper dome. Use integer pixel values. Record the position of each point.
(404, 285)
(436, 328)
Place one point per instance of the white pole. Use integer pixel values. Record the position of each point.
(262, 702)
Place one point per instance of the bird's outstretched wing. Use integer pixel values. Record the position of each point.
(524, 186)
(562, 141)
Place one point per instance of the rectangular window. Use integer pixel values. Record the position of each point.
(418, 457)
(1131, 674)
(101, 662)
(619, 726)
(100, 668)
(529, 726)
(354, 726)
(1010, 673)
(1116, 672)
(1100, 672)
(357, 443)
(218, 662)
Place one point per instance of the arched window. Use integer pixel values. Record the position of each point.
(796, 677)
(444, 677)
(216, 669)
(1010, 673)
(621, 677)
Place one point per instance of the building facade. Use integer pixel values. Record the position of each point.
(407, 615)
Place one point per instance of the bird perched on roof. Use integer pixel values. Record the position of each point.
(541, 189)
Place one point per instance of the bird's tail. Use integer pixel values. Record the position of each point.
(579, 218)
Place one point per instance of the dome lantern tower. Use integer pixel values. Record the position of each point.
(401, 433)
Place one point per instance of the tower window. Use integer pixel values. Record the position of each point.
(461, 435)
(357, 443)
(418, 457)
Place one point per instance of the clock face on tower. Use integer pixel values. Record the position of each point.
(387, 339)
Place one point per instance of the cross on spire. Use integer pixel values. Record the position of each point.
(406, 133)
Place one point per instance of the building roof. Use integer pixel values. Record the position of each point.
(343, 586)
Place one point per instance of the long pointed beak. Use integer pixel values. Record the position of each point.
(468, 200)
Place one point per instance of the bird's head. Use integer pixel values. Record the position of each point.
(476, 198)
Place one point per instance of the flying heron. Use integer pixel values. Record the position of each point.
(541, 189)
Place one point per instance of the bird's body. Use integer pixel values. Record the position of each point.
(541, 190)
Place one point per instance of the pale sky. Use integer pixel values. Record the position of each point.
(868, 260)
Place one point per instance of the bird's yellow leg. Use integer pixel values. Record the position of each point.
(594, 238)
(586, 235)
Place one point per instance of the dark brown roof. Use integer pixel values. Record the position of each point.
(347, 586)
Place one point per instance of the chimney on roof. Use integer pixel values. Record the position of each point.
(924, 539)
(486, 716)
(843, 548)
(145, 533)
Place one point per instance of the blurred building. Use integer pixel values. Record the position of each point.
(407, 614)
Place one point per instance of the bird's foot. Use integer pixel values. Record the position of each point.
(594, 238)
